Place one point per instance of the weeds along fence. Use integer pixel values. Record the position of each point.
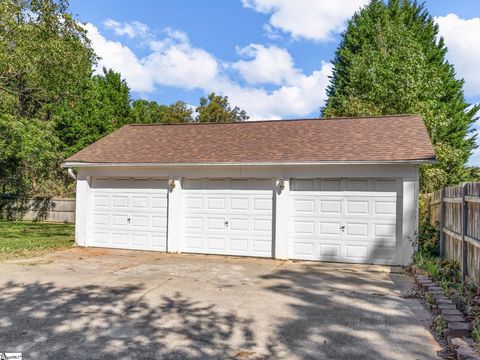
(39, 209)
(455, 212)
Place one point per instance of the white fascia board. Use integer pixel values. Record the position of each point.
(73, 164)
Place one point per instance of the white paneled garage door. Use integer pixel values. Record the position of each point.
(227, 216)
(129, 214)
(343, 220)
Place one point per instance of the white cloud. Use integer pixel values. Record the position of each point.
(267, 65)
(300, 98)
(309, 19)
(131, 29)
(462, 37)
(173, 61)
(117, 56)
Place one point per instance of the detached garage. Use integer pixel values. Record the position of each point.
(319, 189)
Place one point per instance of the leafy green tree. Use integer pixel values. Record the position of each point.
(146, 112)
(45, 57)
(29, 159)
(178, 112)
(149, 112)
(216, 108)
(103, 108)
(392, 61)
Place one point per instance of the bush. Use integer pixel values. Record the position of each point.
(427, 240)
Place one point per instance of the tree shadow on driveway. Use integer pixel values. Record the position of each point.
(45, 321)
(348, 315)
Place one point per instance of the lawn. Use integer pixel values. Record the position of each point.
(25, 239)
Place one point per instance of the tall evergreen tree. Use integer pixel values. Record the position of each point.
(103, 108)
(391, 60)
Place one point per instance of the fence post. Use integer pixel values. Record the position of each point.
(464, 232)
(442, 223)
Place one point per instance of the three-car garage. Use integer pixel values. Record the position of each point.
(265, 189)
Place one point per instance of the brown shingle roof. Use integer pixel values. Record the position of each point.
(368, 139)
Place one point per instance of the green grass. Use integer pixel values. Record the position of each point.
(26, 239)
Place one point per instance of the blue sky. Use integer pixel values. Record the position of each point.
(271, 57)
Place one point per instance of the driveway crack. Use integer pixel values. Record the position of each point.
(140, 298)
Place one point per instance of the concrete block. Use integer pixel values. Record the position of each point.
(458, 329)
(442, 307)
(451, 312)
(466, 353)
(423, 285)
(453, 318)
(438, 299)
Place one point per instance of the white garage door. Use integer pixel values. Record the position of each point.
(343, 220)
(129, 214)
(227, 216)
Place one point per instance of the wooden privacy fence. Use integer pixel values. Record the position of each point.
(455, 212)
(39, 209)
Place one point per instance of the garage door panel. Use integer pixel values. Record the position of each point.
(101, 219)
(193, 223)
(357, 251)
(357, 230)
(357, 223)
(119, 238)
(119, 202)
(305, 206)
(100, 237)
(329, 251)
(329, 228)
(385, 207)
(384, 231)
(140, 202)
(262, 246)
(357, 207)
(215, 224)
(236, 216)
(262, 204)
(239, 203)
(139, 221)
(239, 244)
(330, 207)
(159, 203)
(192, 242)
(238, 224)
(216, 243)
(101, 201)
(215, 203)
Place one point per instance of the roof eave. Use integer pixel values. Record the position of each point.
(78, 164)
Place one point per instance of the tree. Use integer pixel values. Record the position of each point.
(103, 107)
(28, 156)
(391, 60)
(45, 57)
(149, 112)
(216, 108)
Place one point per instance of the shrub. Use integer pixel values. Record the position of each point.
(427, 240)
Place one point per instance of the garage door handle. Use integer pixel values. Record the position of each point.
(342, 227)
(128, 220)
(226, 223)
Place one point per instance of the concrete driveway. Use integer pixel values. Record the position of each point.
(111, 304)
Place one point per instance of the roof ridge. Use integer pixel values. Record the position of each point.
(281, 120)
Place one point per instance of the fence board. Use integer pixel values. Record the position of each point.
(456, 215)
(40, 209)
